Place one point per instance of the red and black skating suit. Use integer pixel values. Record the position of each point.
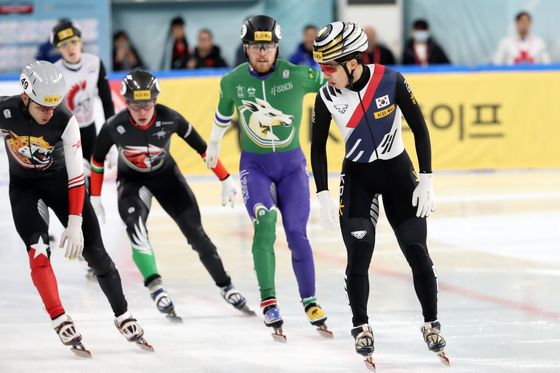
(46, 168)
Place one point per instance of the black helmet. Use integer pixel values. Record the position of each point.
(260, 29)
(139, 85)
(64, 31)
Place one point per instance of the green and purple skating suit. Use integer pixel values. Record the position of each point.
(272, 167)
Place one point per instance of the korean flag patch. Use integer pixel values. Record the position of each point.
(383, 101)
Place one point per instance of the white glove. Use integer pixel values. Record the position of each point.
(72, 237)
(229, 191)
(98, 208)
(212, 152)
(424, 196)
(329, 211)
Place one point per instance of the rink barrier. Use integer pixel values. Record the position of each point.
(483, 117)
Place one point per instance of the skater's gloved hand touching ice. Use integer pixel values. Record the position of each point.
(423, 196)
(229, 191)
(212, 152)
(73, 238)
(329, 211)
(98, 208)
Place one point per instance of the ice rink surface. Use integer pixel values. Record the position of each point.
(495, 242)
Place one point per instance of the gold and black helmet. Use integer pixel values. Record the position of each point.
(260, 29)
(63, 31)
(338, 40)
(140, 86)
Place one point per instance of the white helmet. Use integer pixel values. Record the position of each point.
(43, 83)
(337, 40)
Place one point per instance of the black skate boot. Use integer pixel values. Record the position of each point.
(364, 343)
(163, 302)
(132, 331)
(431, 331)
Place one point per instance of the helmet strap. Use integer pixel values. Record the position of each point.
(349, 75)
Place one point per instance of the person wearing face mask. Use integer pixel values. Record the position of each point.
(146, 169)
(268, 92)
(422, 49)
(44, 151)
(367, 102)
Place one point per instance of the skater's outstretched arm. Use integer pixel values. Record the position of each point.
(319, 135)
(72, 236)
(103, 143)
(423, 195)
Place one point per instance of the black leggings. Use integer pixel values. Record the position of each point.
(174, 195)
(361, 185)
(30, 225)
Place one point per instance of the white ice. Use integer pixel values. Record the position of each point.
(494, 241)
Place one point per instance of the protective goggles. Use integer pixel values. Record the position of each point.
(261, 46)
(137, 106)
(68, 42)
(328, 68)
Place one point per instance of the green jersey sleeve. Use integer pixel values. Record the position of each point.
(312, 79)
(226, 106)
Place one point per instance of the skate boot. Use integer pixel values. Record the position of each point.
(273, 319)
(236, 299)
(363, 337)
(163, 301)
(129, 327)
(316, 316)
(431, 331)
(69, 335)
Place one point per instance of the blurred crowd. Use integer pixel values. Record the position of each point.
(422, 48)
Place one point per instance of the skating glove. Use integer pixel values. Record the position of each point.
(73, 238)
(98, 208)
(329, 211)
(423, 196)
(212, 152)
(229, 191)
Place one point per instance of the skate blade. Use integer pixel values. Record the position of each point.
(278, 336)
(144, 345)
(370, 364)
(444, 358)
(172, 316)
(80, 350)
(324, 331)
(246, 310)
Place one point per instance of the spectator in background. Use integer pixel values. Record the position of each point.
(180, 53)
(206, 54)
(523, 47)
(304, 52)
(46, 52)
(376, 53)
(422, 49)
(125, 56)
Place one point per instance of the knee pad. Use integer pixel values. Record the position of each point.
(358, 232)
(98, 259)
(418, 258)
(265, 228)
